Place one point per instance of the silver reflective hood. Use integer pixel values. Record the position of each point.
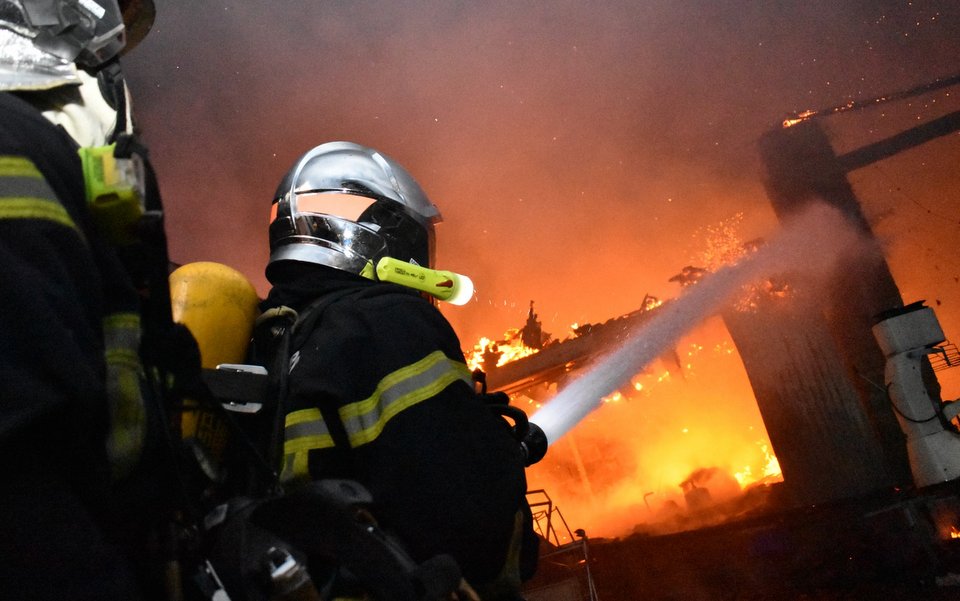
(24, 67)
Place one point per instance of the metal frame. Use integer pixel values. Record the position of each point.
(574, 554)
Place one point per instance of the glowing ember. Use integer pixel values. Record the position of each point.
(799, 118)
(954, 533)
(853, 104)
(613, 398)
(804, 115)
(723, 245)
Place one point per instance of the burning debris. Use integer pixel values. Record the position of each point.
(802, 116)
(592, 468)
(689, 276)
(798, 341)
(828, 392)
(515, 344)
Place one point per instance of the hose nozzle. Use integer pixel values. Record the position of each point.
(531, 437)
(534, 444)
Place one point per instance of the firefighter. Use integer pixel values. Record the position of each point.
(378, 390)
(74, 188)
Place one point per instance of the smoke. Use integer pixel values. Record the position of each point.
(567, 144)
(573, 149)
(807, 247)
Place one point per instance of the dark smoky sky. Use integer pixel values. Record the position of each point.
(577, 150)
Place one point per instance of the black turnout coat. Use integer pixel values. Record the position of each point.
(379, 392)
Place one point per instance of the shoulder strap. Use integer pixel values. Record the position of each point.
(300, 332)
(281, 332)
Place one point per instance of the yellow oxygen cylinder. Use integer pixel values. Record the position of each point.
(218, 305)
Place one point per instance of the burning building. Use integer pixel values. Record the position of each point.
(848, 396)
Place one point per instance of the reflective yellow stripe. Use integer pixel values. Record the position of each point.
(400, 390)
(25, 194)
(15, 166)
(35, 208)
(304, 431)
(128, 419)
(122, 330)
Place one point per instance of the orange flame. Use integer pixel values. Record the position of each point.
(597, 477)
(509, 348)
(799, 118)
(769, 473)
(692, 412)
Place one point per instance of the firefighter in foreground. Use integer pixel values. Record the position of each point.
(378, 391)
(74, 189)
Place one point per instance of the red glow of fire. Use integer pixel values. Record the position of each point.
(677, 423)
(600, 478)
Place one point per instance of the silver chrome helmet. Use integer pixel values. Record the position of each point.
(345, 206)
(43, 42)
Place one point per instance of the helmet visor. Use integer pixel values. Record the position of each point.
(337, 204)
(324, 227)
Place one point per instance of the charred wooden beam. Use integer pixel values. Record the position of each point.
(555, 360)
(906, 140)
(826, 380)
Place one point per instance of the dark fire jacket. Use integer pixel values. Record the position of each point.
(379, 392)
(69, 366)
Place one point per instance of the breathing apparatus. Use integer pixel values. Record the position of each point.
(218, 305)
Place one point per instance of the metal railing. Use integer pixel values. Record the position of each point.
(568, 550)
(944, 356)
